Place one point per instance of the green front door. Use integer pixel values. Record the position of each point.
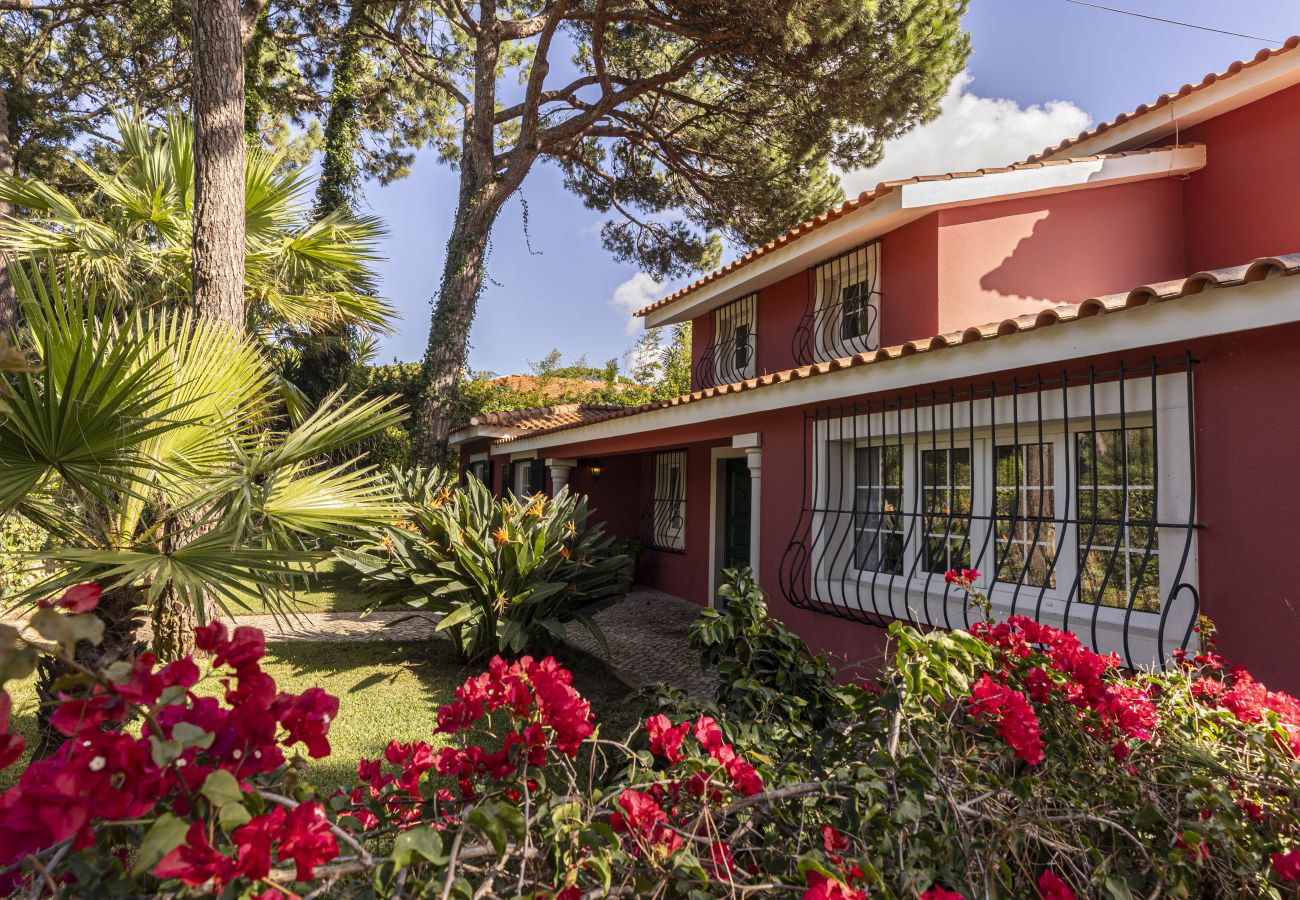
(735, 515)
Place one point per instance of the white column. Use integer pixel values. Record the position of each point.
(754, 457)
(560, 469)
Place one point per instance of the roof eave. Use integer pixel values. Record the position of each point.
(909, 202)
(1192, 105)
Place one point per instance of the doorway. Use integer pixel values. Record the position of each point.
(736, 513)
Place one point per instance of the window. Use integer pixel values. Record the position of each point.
(482, 470)
(1073, 496)
(1119, 555)
(1024, 521)
(732, 355)
(878, 521)
(843, 315)
(529, 477)
(946, 508)
(668, 503)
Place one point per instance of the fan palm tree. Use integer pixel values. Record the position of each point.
(149, 446)
(133, 229)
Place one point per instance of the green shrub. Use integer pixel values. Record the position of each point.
(19, 536)
(500, 572)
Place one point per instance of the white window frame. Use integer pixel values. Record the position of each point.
(905, 596)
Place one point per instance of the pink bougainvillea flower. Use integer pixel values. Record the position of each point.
(307, 839)
(11, 745)
(833, 841)
(708, 734)
(1052, 888)
(1287, 865)
(939, 893)
(82, 598)
(822, 888)
(307, 717)
(665, 738)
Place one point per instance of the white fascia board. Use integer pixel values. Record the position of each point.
(1223, 96)
(1215, 311)
(475, 432)
(910, 202)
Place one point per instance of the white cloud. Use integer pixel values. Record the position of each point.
(637, 292)
(971, 132)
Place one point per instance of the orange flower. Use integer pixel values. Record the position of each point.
(566, 552)
(501, 536)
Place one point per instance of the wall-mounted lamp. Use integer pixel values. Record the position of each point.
(595, 470)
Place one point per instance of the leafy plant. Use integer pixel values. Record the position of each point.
(132, 231)
(150, 449)
(500, 573)
(766, 673)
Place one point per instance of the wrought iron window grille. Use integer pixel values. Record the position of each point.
(731, 354)
(842, 316)
(1073, 494)
(663, 524)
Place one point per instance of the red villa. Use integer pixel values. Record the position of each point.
(1074, 374)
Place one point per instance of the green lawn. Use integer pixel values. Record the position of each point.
(387, 690)
(335, 588)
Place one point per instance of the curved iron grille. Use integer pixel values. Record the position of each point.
(663, 523)
(1073, 494)
(842, 316)
(730, 355)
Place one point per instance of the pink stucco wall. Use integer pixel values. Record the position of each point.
(1242, 205)
(1004, 259)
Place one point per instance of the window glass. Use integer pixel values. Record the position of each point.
(1118, 555)
(855, 311)
(668, 506)
(946, 508)
(1025, 503)
(878, 520)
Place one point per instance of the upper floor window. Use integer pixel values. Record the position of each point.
(1073, 496)
(843, 314)
(732, 353)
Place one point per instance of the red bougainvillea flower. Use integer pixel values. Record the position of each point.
(1052, 888)
(195, 861)
(963, 578)
(1011, 711)
(307, 718)
(1287, 865)
(822, 888)
(254, 840)
(833, 841)
(938, 893)
(11, 745)
(666, 740)
(307, 839)
(723, 863)
(708, 734)
(81, 598)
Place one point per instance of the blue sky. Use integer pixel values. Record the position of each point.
(1041, 70)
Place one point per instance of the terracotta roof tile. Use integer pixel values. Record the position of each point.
(564, 415)
(866, 198)
(1165, 99)
(1258, 270)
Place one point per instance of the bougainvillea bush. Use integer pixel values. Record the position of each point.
(1007, 762)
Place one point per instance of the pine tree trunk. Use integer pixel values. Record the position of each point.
(9, 317)
(444, 360)
(218, 272)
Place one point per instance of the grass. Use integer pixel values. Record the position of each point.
(387, 690)
(335, 588)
